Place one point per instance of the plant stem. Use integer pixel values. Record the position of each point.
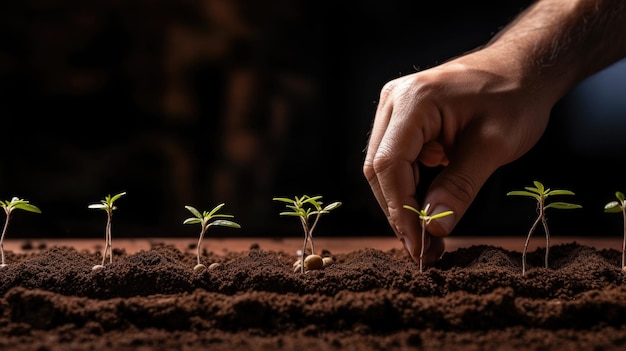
(4, 230)
(200, 241)
(310, 233)
(303, 254)
(623, 242)
(545, 228)
(423, 244)
(107, 239)
(530, 232)
(305, 227)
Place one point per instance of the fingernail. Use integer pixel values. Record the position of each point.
(447, 222)
(408, 244)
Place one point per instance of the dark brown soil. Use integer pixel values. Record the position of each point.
(473, 299)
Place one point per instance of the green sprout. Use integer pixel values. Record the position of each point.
(425, 219)
(540, 194)
(9, 206)
(617, 207)
(306, 207)
(107, 205)
(204, 219)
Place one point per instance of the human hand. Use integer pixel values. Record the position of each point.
(471, 115)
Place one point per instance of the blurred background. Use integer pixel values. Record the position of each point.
(203, 102)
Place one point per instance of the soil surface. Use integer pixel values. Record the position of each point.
(474, 298)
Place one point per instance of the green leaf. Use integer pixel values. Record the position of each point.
(533, 190)
(283, 199)
(215, 209)
(332, 206)
(225, 223)
(523, 193)
(295, 214)
(192, 220)
(27, 207)
(441, 214)
(114, 198)
(613, 207)
(411, 208)
(194, 211)
(19, 204)
(619, 196)
(560, 192)
(222, 215)
(563, 206)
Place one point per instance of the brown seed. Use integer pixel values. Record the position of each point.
(198, 267)
(327, 261)
(312, 262)
(214, 265)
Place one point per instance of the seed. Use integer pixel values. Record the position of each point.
(198, 267)
(214, 265)
(327, 261)
(312, 262)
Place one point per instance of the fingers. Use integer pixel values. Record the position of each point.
(433, 155)
(394, 165)
(396, 142)
(381, 120)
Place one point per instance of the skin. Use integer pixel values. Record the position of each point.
(477, 112)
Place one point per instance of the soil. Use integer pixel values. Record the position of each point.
(474, 298)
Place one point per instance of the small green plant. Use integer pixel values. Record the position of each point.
(540, 193)
(617, 207)
(107, 205)
(205, 220)
(306, 207)
(425, 220)
(8, 206)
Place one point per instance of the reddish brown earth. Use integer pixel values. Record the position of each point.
(474, 298)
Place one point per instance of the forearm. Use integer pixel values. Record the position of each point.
(557, 43)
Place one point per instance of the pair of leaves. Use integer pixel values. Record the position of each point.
(298, 208)
(18, 204)
(540, 193)
(205, 217)
(424, 216)
(108, 203)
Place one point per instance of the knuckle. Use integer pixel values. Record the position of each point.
(382, 161)
(461, 186)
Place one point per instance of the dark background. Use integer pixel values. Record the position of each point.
(202, 102)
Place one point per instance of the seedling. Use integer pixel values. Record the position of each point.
(107, 205)
(540, 194)
(204, 219)
(306, 207)
(9, 206)
(616, 207)
(425, 219)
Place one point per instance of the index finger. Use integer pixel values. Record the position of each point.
(398, 174)
(379, 126)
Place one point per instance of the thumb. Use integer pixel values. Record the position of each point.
(456, 187)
